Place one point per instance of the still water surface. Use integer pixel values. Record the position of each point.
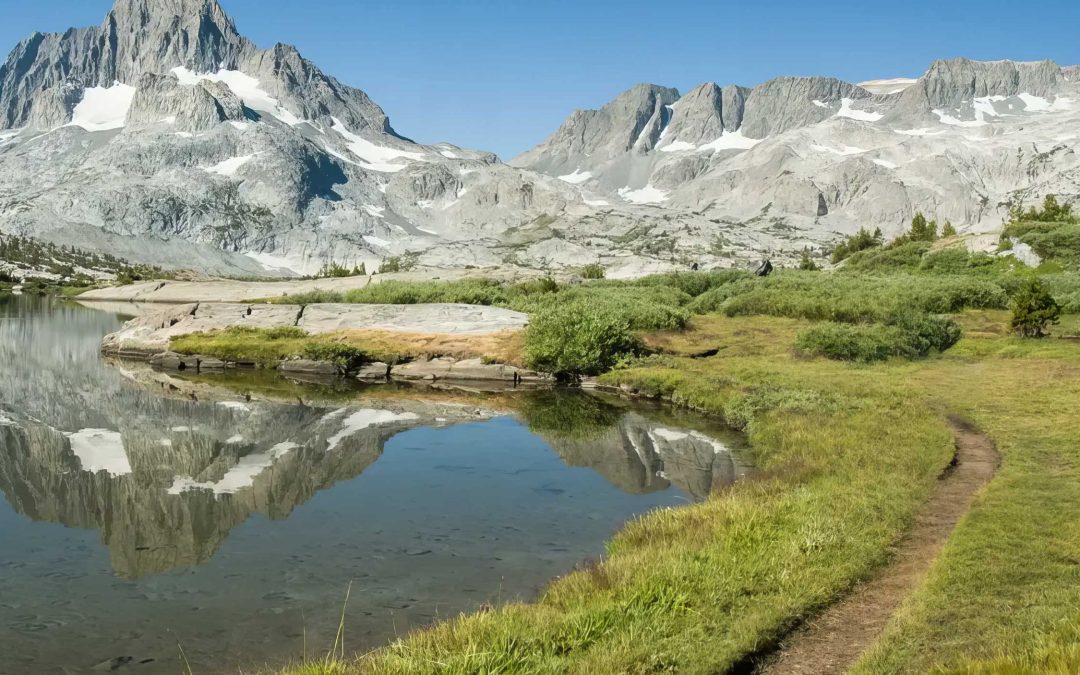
(140, 512)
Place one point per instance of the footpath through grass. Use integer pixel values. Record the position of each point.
(1004, 596)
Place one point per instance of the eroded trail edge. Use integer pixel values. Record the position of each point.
(833, 641)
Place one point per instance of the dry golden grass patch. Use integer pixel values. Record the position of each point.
(500, 347)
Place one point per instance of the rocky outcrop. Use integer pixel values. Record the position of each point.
(466, 370)
(150, 333)
(149, 336)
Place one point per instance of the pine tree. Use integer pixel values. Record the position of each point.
(947, 230)
(1033, 309)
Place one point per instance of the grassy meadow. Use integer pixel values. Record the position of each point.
(842, 382)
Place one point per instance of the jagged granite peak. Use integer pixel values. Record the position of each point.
(706, 113)
(953, 86)
(633, 121)
(787, 103)
(194, 38)
(140, 36)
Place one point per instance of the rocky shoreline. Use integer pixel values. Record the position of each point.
(148, 338)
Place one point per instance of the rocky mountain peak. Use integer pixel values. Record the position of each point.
(950, 82)
(141, 36)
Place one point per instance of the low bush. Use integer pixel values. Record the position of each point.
(851, 298)
(578, 338)
(909, 337)
(1052, 241)
(466, 291)
(693, 284)
(906, 256)
(592, 271)
(1033, 310)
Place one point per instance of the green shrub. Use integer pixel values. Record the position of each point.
(693, 284)
(465, 291)
(1033, 310)
(864, 343)
(851, 298)
(1052, 241)
(333, 270)
(341, 355)
(1066, 291)
(860, 241)
(536, 287)
(906, 256)
(644, 308)
(399, 263)
(806, 262)
(909, 337)
(577, 338)
(592, 271)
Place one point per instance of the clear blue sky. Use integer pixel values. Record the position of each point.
(502, 74)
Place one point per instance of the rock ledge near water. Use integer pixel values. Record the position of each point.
(148, 337)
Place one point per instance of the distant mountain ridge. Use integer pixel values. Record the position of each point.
(166, 137)
(810, 153)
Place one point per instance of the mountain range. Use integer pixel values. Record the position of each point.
(165, 137)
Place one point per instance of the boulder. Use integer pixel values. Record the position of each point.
(174, 361)
(466, 370)
(307, 367)
(435, 369)
(374, 372)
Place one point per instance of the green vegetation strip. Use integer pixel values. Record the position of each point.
(269, 347)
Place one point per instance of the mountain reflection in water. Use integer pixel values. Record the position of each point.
(439, 502)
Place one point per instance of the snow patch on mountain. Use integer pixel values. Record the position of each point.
(862, 115)
(734, 140)
(230, 166)
(103, 108)
(376, 157)
(577, 177)
(246, 88)
(645, 195)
